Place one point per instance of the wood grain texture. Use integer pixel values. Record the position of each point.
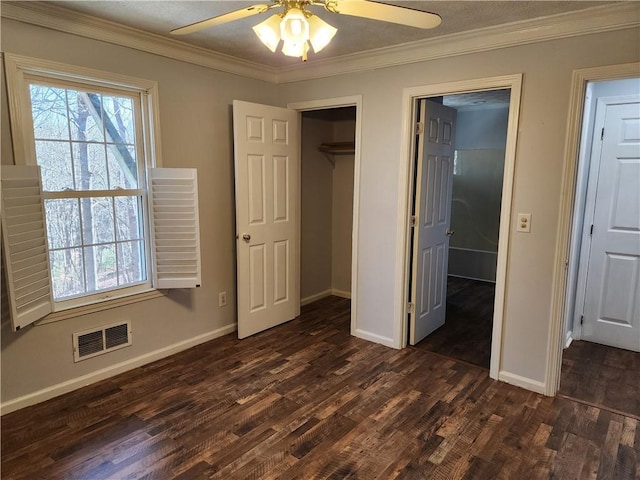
(466, 334)
(602, 376)
(308, 401)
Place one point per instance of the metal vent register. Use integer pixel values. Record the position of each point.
(104, 339)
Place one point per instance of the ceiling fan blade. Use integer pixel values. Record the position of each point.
(388, 13)
(220, 19)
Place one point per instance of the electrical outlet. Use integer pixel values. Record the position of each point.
(222, 299)
(524, 223)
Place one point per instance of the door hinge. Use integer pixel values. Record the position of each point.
(602, 134)
(591, 231)
(412, 222)
(411, 308)
(581, 319)
(419, 128)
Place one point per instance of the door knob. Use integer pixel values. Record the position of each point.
(449, 232)
(246, 237)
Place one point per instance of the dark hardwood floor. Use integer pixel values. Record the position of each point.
(308, 401)
(466, 334)
(603, 376)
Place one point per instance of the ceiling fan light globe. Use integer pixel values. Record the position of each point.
(294, 26)
(269, 32)
(295, 49)
(320, 33)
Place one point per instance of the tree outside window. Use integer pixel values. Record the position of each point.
(86, 145)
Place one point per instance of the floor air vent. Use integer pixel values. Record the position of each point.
(105, 339)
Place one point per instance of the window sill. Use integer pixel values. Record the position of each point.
(100, 306)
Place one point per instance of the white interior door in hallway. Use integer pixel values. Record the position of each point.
(612, 298)
(432, 213)
(266, 154)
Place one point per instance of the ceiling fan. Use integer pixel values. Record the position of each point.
(297, 27)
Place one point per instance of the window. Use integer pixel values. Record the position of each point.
(88, 147)
(96, 216)
(457, 165)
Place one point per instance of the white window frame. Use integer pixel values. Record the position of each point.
(19, 67)
(143, 164)
(20, 72)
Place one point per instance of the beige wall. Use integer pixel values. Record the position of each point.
(195, 118)
(547, 69)
(342, 209)
(315, 217)
(327, 207)
(6, 148)
(196, 132)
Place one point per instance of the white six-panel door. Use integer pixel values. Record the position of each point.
(612, 300)
(266, 142)
(434, 179)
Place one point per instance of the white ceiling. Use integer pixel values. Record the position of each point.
(354, 34)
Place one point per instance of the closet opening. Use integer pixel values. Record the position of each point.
(327, 205)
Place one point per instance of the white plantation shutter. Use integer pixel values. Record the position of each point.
(24, 240)
(175, 231)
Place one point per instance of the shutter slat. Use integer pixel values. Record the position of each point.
(25, 227)
(24, 240)
(26, 191)
(20, 201)
(175, 227)
(174, 243)
(28, 271)
(40, 278)
(30, 297)
(174, 273)
(24, 246)
(20, 214)
(28, 259)
(32, 289)
(18, 183)
(26, 254)
(27, 236)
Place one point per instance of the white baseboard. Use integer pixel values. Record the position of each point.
(568, 339)
(327, 293)
(472, 278)
(341, 293)
(522, 382)
(372, 337)
(75, 383)
(312, 298)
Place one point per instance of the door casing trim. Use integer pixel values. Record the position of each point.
(405, 188)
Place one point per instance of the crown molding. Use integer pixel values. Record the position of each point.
(583, 22)
(63, 20)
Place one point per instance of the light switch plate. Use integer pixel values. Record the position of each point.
(524, 223)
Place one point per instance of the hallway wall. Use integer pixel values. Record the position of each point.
(481, 136)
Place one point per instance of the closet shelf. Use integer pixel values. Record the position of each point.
(338, 148)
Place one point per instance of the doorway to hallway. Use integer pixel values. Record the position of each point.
(453, 275)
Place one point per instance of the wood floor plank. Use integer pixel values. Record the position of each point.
(610, 451)
(306, 400)
(466, 334)
(602, 375)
